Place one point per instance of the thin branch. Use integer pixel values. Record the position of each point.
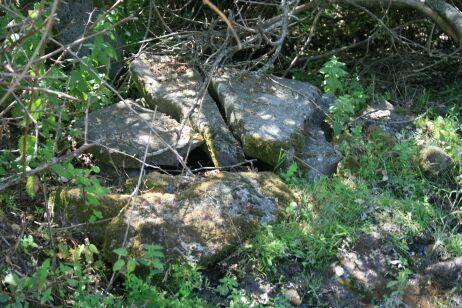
(15, 180)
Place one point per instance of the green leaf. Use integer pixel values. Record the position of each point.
(4, 298)
(131, 265)
(92, 200)
(72, 282)
(293, 168)
(158, 264)
(46, 296)
(122, 252)
(392, 283)
(337, 127)
(97, 214)
(93, 248)
(42, 274)
(118, 265)
(61, 171)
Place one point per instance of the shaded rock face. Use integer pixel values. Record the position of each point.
(69, 208)
(75, 19)
(368, 266)
(201, 218)
(173, 88)
(271, 114)
(319, 157)
(124, 129)
(364, 272)
(337, 294)
(384, 115)
(446, 274)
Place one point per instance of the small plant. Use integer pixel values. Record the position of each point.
(228, 284)
(27, 242)
(35, 287)
(395, 298)
(352, 96)
(186, 278)
(90, 186)
(334, 76)
(291, 172)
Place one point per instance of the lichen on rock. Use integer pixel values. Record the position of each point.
(277, 119)
(197, 217)
(200, 218)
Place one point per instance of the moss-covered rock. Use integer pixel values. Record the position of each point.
(434, 161)
(381, 137)
(69, 207)
(201, 218)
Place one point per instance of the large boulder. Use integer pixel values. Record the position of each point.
(368, 266)
(267, 114)
(173, 88)
(446, 274)
(121, 132)
(271, 115)
(200, 218)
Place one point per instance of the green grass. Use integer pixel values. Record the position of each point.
(385, 192)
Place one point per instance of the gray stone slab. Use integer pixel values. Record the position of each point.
(120, 130)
